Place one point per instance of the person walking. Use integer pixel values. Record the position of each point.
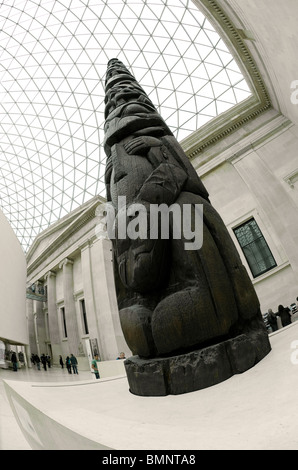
(94, 366)
(44, 361)
(37, 361)
(74, 364)
(68, 364)
(32, 359)
(284, 314)
(14, 361)
(61, 362)
(48, 361)
(272, 320)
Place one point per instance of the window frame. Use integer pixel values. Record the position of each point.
(63, 321)
(266, 247)
(84, 318)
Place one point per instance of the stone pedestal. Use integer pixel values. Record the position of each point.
(197, 369)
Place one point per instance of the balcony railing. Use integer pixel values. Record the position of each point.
(36, 292)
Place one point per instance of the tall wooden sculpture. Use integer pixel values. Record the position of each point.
(190, 315)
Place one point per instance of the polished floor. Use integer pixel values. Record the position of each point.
(11, 437)
(254, 410)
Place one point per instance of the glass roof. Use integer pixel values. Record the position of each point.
(53, 59)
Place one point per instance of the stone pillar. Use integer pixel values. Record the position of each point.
(73, 338)
(36, 332)
(111, 336)
(30, 325)
(88, 287)
(28, 356)
(94, 332)
(40, 326)
(54, 332)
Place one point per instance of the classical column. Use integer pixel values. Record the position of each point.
(54, 332)
(30, 325)
(112, 340)
(40, 326)
(73, 338)
(88, 287)
(36, 332)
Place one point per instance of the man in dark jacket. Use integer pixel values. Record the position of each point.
(284, 314)
(14, 362)
(272, 320)
(74, 364)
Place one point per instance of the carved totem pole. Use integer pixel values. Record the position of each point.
(191, 317)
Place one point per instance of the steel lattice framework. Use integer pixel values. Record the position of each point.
(53, 59)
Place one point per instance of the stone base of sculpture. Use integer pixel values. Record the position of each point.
(198, 369)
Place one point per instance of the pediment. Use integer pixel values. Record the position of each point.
(51, 235)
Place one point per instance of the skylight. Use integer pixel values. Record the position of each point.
(53, 60)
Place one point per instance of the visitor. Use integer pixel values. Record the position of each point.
(48, 361)
(272, 320)
(44, 361)
(74, 364)
(121, 356)
(61, 362)
(94, 366)
(32, 359)
(284, 314)
(68, 364)
(14, 361)
(37, 361)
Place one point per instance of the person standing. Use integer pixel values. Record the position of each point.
(14, 361)
(272, 320)
(37, 361)
(74, 364)
(32, 359)
(284, 314)
(48, 361)
(61, 362)
(68, 364)
(94, 366)
(44, 361)
(121, 356)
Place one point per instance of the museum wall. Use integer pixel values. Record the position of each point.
(74, 266)
(261, 182)
(13, 325)
(251, 168)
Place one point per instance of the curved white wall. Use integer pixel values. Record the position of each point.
(13, 325)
